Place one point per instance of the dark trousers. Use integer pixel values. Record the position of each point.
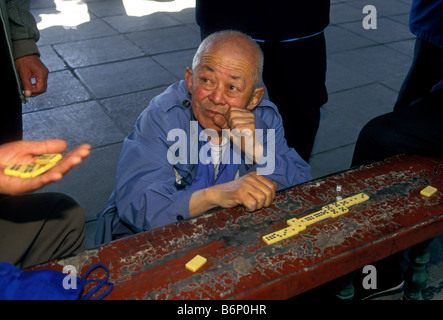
(294, 74)
(415, 126)
(425, 72)
(36, 228)
(10, 105)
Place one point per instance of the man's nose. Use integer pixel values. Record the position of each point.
(217, 95)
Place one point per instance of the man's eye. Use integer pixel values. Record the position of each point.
(233, 88)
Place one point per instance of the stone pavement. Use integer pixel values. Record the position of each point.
(108, 58)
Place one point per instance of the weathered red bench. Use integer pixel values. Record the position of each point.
(240, 265)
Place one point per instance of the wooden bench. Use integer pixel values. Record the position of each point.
(240, 265)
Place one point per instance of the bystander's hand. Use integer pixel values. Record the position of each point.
(30, 67)
(25, 152)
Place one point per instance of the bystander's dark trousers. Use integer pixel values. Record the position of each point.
(294, 74)
(416, 124)
(10, 104)
(39, 227)
(415, 127)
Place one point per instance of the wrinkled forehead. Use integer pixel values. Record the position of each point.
(236, 63)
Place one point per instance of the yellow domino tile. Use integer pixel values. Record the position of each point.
(298, 223)
(341, 203)
(48, 158)
(428, 191)
(28, 170)
(331, 210)
(196, 263)
(292, 221)
(281, 234)
(359, 198)
(336, 210)
(315, 217)
(42, 169)
(300, 226)
(349, 201)
(13, 170)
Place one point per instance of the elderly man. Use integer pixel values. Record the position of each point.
(230, 149)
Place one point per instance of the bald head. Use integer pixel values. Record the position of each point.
(237, 45)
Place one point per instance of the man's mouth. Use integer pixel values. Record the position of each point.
(211, 113)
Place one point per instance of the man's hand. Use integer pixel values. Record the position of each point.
(251, 191)
(241, 123)
(30, 67)
(25, 152)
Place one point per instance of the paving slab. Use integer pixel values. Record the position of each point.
(176, 62)
(94, 28)
(124, 77)
(383, 7)
(339, 77)
(79, 123)
(343, 12)
(51, 59)
(338, 159)
(125, 109)
(165, 40)
(387, 31)
(127, 24)
(107, 8)
(63, 89)
(99, 51)
(339, 39)
(348, 111)
(379, 63)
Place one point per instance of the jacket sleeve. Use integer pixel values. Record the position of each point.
(280, 163)
(23, 28)
(146, 195)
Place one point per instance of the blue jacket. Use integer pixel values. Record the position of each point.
(426, 21)
(151, 192)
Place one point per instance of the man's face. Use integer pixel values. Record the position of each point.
(223, 79)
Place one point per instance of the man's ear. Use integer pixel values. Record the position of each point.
(256, 98)
(188, 79)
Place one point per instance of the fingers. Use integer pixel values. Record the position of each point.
(242, 124)
(71, 159)
(15, 185)
(240, 119)
(25, 152)
(37, 87)
(38, 148)
(220, 121)
(68, 162)
(33, 74)
(258, 192)
(235, 118)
